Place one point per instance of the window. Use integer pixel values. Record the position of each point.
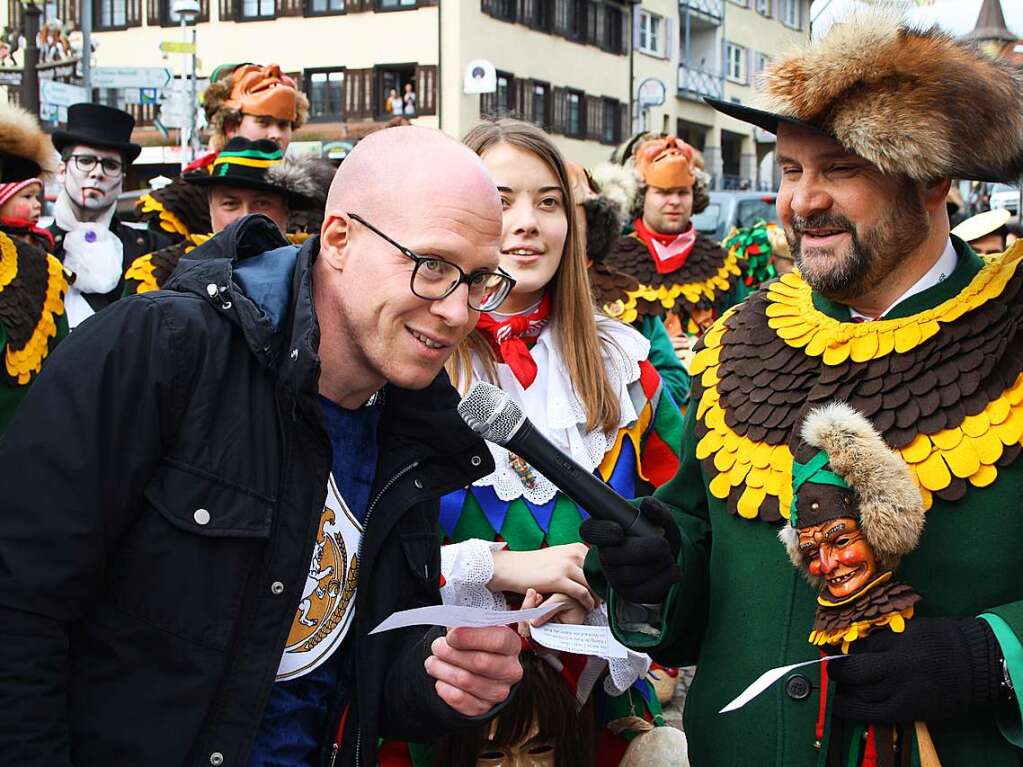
(650, 26)
(760, 62)
(577, 18)
(735, 63)
(501, 103)
(573, 116)
(393, 5)
(317, 7)
(611, 124)
(324, 89)
(764, 7)
(111, 14)
(790, 13)
(613, 37)
(540, 112)
(258, 9)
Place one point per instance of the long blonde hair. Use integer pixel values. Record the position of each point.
(572, 308)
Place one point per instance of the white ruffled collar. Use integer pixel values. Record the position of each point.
(553, 406)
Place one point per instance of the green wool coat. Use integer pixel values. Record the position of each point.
(742, 608)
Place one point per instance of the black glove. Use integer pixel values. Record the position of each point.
(938, 668)
(641, 569)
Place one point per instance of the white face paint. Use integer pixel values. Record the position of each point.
(92, 191)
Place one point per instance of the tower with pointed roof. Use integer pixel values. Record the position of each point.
(990, 33)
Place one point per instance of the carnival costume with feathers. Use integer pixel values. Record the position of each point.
(939, 378)
(32, 282)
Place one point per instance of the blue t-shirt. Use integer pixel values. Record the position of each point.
(293, 724)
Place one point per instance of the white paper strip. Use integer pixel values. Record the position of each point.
(768, 678)
(581, 640)
(458, 615)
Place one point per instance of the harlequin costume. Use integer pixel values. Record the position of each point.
(180, 209)
(760, 249)
(32, 282)
(940, 377)
(686, 279)
(242, 164)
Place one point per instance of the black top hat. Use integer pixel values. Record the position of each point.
(99, 126)
(247, 164)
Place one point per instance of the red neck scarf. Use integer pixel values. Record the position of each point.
(24, 226)
(511, 338)
(669, 251)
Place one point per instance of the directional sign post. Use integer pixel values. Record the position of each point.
(177, 46)
(55, 97)
(130, 77)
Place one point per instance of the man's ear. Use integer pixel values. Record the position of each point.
(935, 192)
(335, 238)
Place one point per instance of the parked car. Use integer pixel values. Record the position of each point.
(1004, 196)
(728, 209)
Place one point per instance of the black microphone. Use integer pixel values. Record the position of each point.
(492, 414)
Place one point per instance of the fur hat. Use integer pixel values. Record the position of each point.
(912, 102)
(25, 151)
(221, 104)
(883, 495)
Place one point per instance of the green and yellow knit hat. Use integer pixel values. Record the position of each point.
(249, 164)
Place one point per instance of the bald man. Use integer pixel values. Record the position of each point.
(216, 491)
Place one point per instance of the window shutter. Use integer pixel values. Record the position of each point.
(559, 120)
(426, 90)
(228, 10)
(671, 43)
(358, 93)
(133, 13)
(290, 7)
(152, 13)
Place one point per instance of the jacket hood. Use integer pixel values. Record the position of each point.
(263, 285)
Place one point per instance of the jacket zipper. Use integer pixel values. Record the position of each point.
(365, 528)
(333, 755)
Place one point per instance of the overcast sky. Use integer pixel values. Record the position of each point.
(957, 16)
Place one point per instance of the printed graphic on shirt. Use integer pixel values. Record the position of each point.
(328, 600)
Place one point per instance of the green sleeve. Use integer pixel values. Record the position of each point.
(663, 357)
(675, 640)
(1007, 624)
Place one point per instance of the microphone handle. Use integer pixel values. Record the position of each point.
(592, 494)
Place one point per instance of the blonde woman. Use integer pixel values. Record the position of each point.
(584, 380)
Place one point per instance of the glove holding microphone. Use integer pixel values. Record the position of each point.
(638, 547)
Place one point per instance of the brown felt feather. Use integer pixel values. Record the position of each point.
(913, 102)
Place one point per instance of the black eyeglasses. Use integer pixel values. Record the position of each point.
(86, 162)
(434, 278)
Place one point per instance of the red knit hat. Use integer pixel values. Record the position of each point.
(7, 191)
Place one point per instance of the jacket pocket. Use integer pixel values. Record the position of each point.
(184, 565)
(421, 544)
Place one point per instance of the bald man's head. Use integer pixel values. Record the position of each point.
(397, 171)
(434, 197)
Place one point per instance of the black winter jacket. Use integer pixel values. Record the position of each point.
(131, 633)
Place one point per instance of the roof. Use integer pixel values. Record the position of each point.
(991, 24)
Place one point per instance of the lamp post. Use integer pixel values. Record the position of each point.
(187, 11)
(30, 72)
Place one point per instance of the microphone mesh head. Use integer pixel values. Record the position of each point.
(490, 412)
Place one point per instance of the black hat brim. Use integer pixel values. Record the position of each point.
(761, 118)
(62, 139)
(206, 180)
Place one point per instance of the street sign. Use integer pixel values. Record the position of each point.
(61, 94)
(172, 46)
(651, 93)
(130, 77)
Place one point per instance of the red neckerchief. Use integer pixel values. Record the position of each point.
(201, 163)
(669, 251)
(508, 338)
(23, 226)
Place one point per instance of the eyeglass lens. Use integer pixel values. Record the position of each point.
(434, 279)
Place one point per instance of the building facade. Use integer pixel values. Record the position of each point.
(591, 72)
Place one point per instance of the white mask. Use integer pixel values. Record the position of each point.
(92, 192)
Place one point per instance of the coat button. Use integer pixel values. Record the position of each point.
(797, 687)
(201, 517)
(216, 759)
(277, 588)
(475, 460)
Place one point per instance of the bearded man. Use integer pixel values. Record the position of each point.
(907, 325)
(684, 277)
(95, 150)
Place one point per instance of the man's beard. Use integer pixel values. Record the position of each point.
(873, 254)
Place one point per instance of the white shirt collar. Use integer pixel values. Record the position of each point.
(938, 273)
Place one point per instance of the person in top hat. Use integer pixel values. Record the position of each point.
(251, 101)
(247, 177)
(32, 282)
(986, 232)
(95, 151)
(684, 277)
(906, 324)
